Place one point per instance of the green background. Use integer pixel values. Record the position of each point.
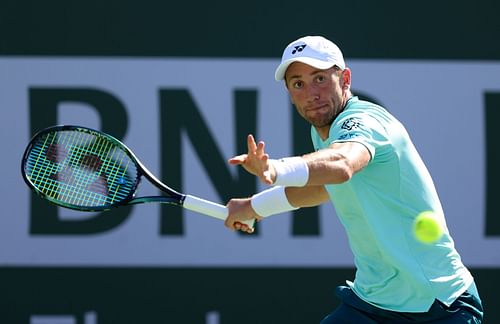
(437, 30)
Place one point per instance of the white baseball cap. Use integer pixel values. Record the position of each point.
(315, 51)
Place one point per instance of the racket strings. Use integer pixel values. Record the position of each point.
(77, 180)
(57, 180)
(86, 184)
(80, 168)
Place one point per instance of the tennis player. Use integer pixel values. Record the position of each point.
(366, 164)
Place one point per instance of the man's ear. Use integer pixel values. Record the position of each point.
(346, 79)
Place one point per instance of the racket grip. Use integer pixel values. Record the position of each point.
(209, 208)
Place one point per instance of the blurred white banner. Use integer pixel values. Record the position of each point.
(441, 103)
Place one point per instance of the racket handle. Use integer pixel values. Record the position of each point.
(209, 208)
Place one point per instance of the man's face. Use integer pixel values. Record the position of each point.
(318, 95)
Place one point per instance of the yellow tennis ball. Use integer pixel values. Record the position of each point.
(427, 228)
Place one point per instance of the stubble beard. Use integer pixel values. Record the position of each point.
(323, 120)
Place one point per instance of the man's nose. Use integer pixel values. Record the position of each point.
(312, 94)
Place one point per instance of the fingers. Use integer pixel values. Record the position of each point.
(252, 146)
(268, 178)
(243, 227)
(260, 148)
(239, 159)
(240, 215)
(255, 148)
(256, 161)
(238, 226)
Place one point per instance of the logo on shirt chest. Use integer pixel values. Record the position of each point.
(350, 124)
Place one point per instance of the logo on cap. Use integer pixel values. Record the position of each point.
(298, 49)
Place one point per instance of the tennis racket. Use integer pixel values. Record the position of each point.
(84, 169)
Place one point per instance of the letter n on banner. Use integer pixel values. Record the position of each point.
(180, 116)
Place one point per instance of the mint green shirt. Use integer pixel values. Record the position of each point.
(377, 207)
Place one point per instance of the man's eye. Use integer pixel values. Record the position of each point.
(320, 78)
(298, 85)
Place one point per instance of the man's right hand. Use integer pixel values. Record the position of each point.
(239, 211)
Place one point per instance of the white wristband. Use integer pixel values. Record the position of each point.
(271, 201)
(291, 172)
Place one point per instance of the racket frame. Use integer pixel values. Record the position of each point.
(170, 196)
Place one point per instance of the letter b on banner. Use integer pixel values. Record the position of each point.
(44, 102)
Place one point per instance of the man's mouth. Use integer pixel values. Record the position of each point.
(316, 108)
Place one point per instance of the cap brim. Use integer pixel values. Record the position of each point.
(281, 70)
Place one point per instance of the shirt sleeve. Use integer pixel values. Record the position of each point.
(360, 128)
